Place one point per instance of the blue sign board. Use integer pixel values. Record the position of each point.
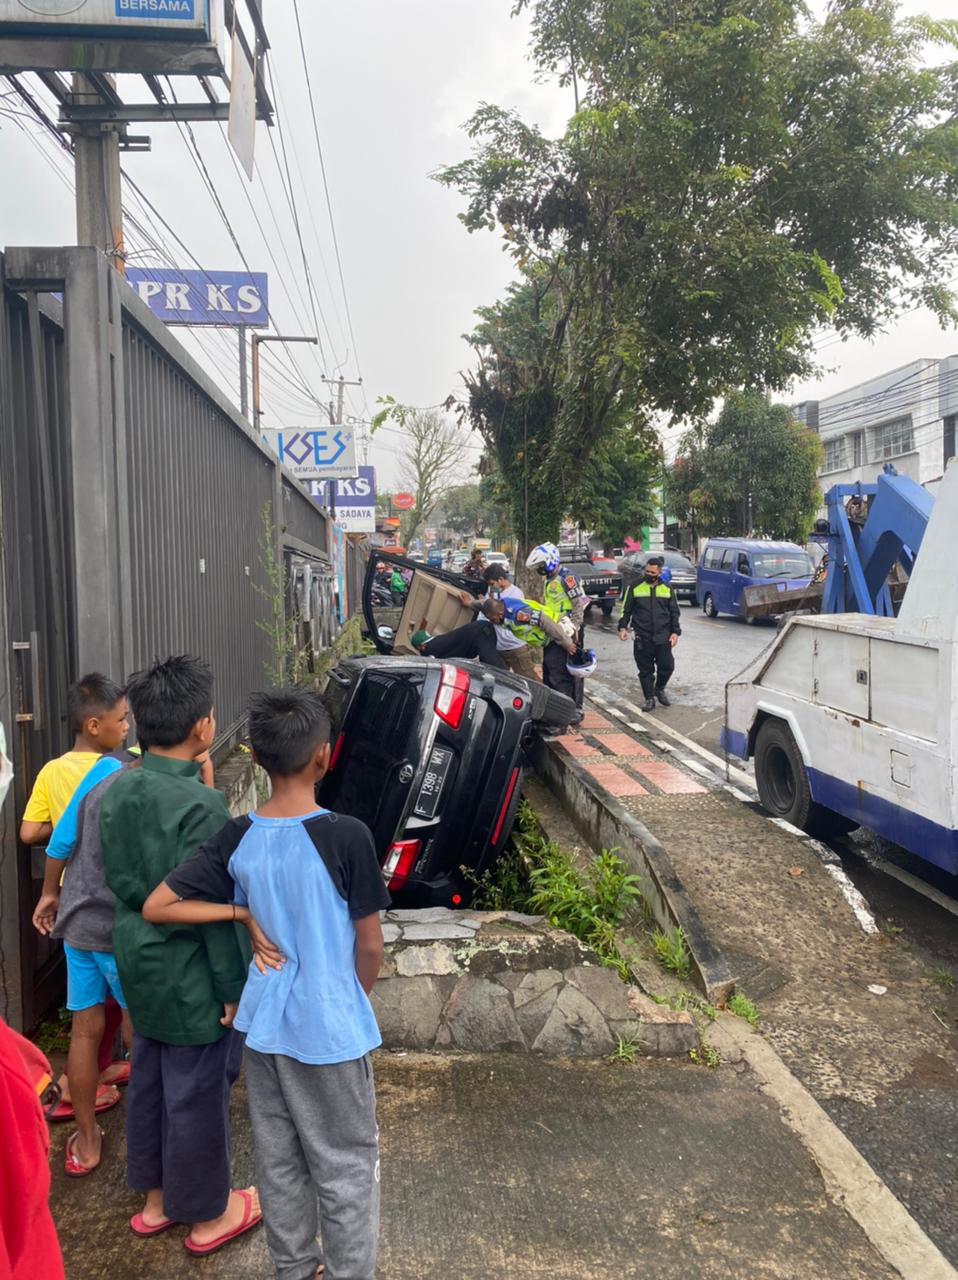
(203, 297)
(353, 501)
(184, 10)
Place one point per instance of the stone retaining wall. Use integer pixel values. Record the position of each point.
(494, 981)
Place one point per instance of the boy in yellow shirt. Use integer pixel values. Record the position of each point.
(97, 709)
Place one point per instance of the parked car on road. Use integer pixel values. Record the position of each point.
(729, 565)
(601, 581)
(632, 567)
(498, 557)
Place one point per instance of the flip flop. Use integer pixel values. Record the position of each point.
(250, 1220)
(142, 1229)
(72, 1166)
(105, 1101)
(122, 1078)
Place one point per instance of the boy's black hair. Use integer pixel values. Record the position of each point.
(493, 572)
(286, 727)
(168, 698)
(91, 695)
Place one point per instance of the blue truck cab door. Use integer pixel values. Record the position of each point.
(739, 578)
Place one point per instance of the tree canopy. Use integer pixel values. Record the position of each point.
(753, 471)
(615, 496)
(734, 177)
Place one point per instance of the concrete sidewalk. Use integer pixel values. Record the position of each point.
(502, 1166)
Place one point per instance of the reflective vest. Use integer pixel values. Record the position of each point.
(642, 589)
(527, 631)
(559, 593)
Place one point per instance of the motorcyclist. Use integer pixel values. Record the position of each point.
(563, 600)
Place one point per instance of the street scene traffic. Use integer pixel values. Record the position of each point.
(478, 497)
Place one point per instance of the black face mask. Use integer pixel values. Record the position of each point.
(541, 570)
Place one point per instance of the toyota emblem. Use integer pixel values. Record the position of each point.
(405, 773)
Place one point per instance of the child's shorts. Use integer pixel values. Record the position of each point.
(91, 976)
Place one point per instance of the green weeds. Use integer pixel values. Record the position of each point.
(742, 1007)
(537, 876)
(626, 1050)
(672, 951)
(943, 978)
(706, 1055)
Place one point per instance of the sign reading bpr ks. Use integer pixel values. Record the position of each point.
(203, 297)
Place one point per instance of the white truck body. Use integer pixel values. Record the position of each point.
(869, 703)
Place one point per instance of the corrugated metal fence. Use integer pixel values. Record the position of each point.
(133, 500)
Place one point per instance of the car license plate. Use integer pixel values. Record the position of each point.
(432, 783)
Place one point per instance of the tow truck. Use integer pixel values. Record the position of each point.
(848, 714)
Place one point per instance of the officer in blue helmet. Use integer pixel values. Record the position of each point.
(564, 601)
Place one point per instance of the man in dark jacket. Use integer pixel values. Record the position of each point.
(651, 609)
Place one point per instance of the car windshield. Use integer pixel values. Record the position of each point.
(781, 564)
(674, 560)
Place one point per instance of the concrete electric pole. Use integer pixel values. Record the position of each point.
(99, 202)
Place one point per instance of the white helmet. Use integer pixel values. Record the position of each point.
(582, 663)
(544, 558)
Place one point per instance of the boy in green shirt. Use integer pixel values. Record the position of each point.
(181, 985)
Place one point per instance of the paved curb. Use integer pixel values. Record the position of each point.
(605, 824)
(849, 1178)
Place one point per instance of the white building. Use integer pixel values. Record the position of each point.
(906, 417)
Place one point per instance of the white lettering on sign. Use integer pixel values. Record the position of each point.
(218, 297)
(248, 299)
(354, 488)
(149, 289)
(177, 297)
(175, 8)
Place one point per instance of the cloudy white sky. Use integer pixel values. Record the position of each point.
(393, 80)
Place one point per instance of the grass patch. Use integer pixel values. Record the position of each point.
(688, 1002)
(539, 877)
(626, 1050)
(742, 1007)
(672, 951)
(943, 978)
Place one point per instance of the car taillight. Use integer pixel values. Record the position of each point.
(451, 698)
(399, 862)
(336, 750)
(505, 805)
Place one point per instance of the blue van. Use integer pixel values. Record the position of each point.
(729, 565)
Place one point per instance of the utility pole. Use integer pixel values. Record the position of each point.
(99, 204)
(340, 384)
(244, 379)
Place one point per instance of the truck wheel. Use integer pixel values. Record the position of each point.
(783, 784)
(607, 610)
(708, 606)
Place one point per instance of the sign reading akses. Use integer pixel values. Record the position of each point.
(203, 297)
(188, 19)
(324, 453)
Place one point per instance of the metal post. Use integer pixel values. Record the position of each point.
(244, 381)
(99, 205)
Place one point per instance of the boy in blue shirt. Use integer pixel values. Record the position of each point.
(311, 882)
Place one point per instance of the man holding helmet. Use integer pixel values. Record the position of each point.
(651, 609)
(563, 600)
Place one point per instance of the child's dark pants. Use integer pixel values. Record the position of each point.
(178, 1126)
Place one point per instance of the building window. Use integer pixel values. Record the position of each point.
(892, 439)
(835, 454)
(949, 439)
(857, 446)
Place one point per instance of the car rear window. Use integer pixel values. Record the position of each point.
(383, 717)
(607, 566)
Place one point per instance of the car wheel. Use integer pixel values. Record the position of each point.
(708, 607)
(783, 784)
(694, 601)
(607, 610)
(549, 707)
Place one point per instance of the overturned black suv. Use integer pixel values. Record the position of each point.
(428, 753)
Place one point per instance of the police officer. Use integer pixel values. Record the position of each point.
(651, 609)
(563, 600)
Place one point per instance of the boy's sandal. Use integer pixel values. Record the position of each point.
(72, 1166)
(107, 1097)
(122, 1077)
(251, 1218)
(144, 1229)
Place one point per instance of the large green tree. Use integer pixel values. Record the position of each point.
(735, 176)
(466, 510)
(616, 495)
(753, 471)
